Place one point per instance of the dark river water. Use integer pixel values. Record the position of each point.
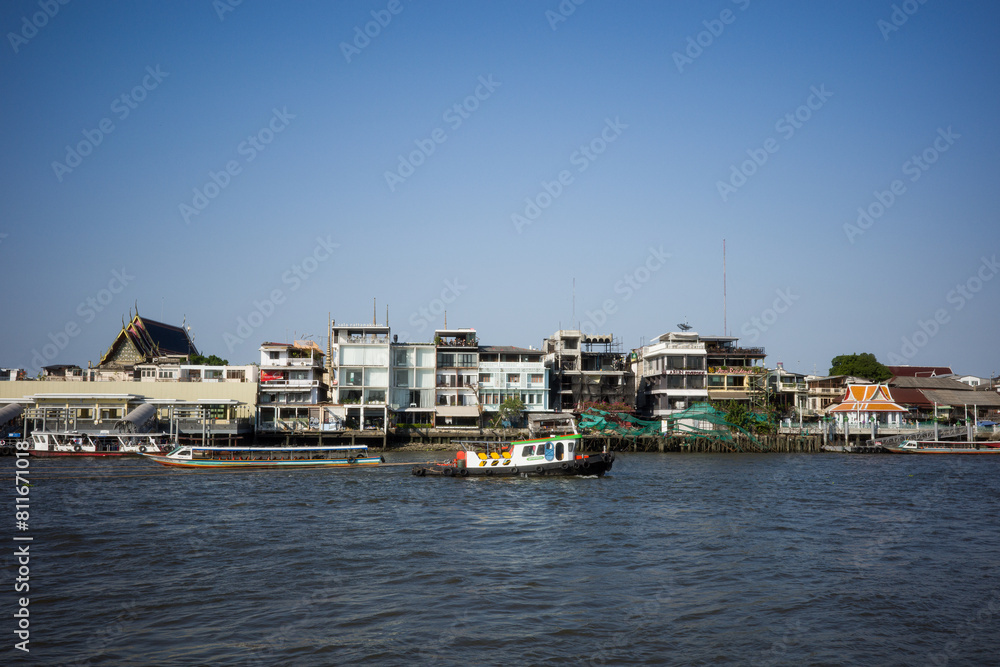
(670, 559)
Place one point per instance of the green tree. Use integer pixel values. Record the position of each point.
(509, 411)
(863, 365)
(211, 360)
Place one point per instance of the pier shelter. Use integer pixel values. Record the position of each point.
(867, 404)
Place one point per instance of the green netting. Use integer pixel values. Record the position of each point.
(699, 422)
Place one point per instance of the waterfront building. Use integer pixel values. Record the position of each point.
(456, 396)
(788, 389)
(291, 387)
(734, 373)
(512, 372)
(671, 374)
(823, 391)
(358, 368)
(953, 399)
(412, 389)
(586, 368)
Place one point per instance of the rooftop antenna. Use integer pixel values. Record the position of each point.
(386, 314)
(446, 319)
(725, 326)
(574, 298)
(373, 311)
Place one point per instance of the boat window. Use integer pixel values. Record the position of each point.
(527, 450)
(184, 452)
(559, 451)
(570, 447)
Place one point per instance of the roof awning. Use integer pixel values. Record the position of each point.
(457, 411)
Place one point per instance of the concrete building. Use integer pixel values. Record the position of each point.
(456, 396)
(512, 372)
(359, 367)
(585, 368)
(291, 386)
(734, 373)
(412, 388)
(671, 374)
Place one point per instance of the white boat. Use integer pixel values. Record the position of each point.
(943, 447)
(81, 443)
(558, 455)
(267, 457)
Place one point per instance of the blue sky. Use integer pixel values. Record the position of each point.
(267, 167)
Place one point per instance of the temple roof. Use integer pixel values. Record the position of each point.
(868, 398)
(152, 339)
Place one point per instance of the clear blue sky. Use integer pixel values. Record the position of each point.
(309, 129)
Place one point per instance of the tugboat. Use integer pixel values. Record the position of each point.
(557, 455)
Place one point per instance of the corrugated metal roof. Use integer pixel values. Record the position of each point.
(960, 398)
(929, 383)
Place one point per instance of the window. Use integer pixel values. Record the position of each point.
(485, 378)
(737, 381)
(527, 450)
(559, 450)
(273, 354)
(513, 378)
(401, 378)
(351, 377)
(236, 374)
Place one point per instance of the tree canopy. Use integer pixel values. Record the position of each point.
(863, 365)
(211, 360)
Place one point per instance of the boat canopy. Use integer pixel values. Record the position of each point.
(9, 412)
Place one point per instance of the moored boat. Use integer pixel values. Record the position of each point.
(267, 457)
(78, 443)
(558, 455)
(943, 447)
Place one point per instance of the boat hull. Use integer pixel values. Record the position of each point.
(938, 447)
(246, 465)
(586, 465)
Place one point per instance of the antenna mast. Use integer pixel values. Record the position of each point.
(725, 326)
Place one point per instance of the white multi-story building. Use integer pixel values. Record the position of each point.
(673, 373)
(359, 368)
(513, 372)
(456, 377)
(291, 386)
(412, 390)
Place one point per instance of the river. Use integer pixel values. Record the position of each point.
(670, 559)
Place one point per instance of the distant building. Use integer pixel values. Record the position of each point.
(919, 371)
(291, 387)
(586, 368)
(456, 395)
(671, 374)
(734, 373)
(12, 374)
(824, 391)
(512, 372)
(788, 389)
(62, 373)
(359, 367)
(412, 383)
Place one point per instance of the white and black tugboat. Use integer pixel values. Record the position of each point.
(558, 455)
